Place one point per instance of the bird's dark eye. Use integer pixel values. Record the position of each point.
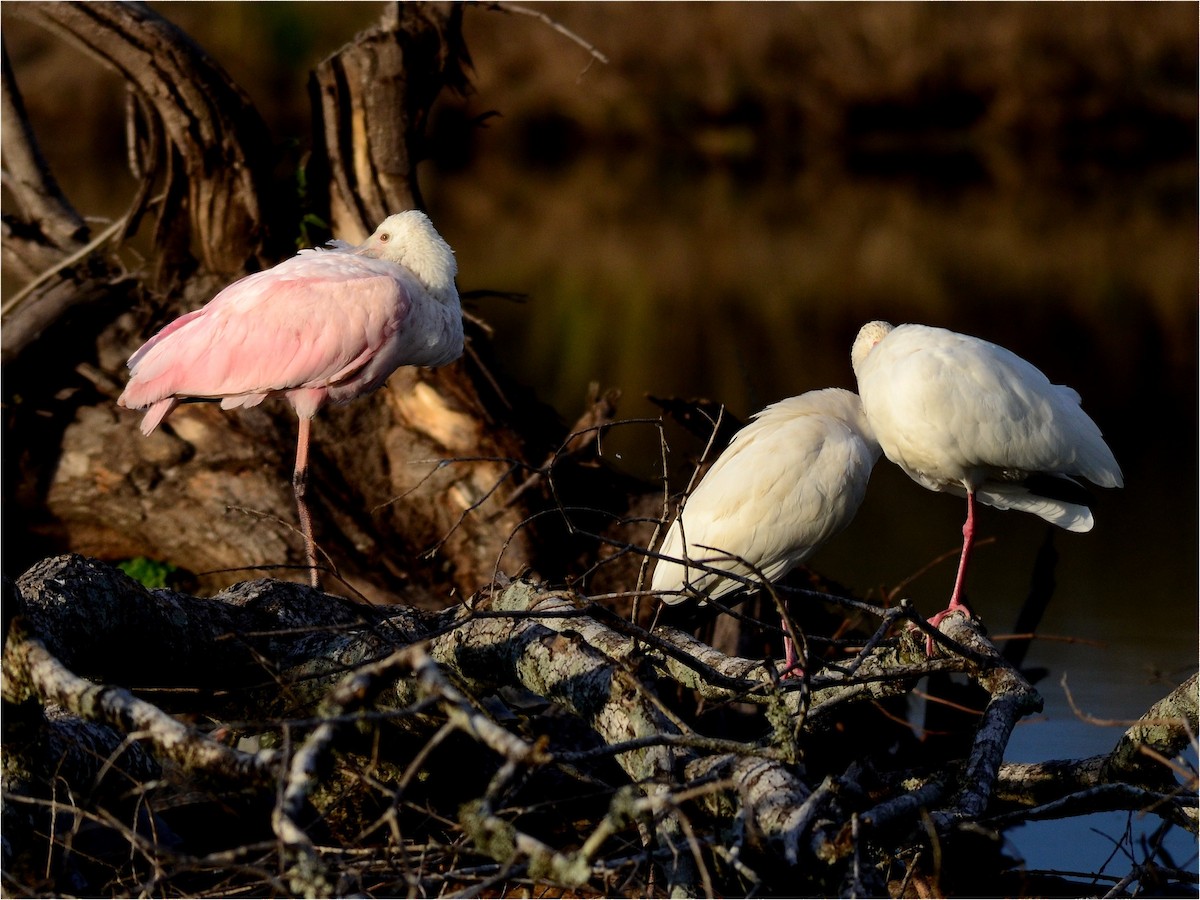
(384, 238)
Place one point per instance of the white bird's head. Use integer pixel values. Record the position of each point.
(409, 239)
(868, 336)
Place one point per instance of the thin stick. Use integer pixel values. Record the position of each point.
(561, 29)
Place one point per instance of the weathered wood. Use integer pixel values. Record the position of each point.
(52, 225)
(46, 240)
(394, 70)
(343, 673)
(1165, 730)
(218, 152)
(33, 673)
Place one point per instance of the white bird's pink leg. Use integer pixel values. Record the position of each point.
(790, 659)
(968, 543)
(791, 670)
(300, 487)
(960, 579)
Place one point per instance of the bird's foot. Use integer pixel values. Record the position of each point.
(935, 621)
(791, 660)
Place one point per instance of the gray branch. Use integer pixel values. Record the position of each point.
(487, 666)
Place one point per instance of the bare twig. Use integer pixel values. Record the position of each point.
(31, 672)
(504, 6)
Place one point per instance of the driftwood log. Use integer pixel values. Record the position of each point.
(326, 746)
(471, 709)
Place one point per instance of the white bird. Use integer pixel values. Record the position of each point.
(786, 483)
(963, 415)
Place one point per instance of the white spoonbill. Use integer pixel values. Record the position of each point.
(959, 414)
(325, 326)
(786, 483)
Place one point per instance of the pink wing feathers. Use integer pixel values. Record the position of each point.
(310, 322)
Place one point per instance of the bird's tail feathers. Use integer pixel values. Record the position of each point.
(1093, 458)
(1055, 503)
(1104, 470)
(156, 413)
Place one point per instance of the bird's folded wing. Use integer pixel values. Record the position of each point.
(267, 333)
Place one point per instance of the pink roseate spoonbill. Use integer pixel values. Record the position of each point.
(326, 326)
(963, 415)
(787, 483)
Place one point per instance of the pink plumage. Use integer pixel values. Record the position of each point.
(324, 326)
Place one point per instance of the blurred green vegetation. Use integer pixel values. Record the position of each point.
(151, 573)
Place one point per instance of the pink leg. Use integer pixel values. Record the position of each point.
(968, 543)
(956, 603)
(300, 487)
(790, 660)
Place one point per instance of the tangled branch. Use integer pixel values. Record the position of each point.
(478, 736)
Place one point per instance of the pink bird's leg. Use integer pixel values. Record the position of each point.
(300, 487)
(956, 603)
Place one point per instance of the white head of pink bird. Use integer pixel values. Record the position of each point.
(409, 239)
(963, 415)
(325, 326)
